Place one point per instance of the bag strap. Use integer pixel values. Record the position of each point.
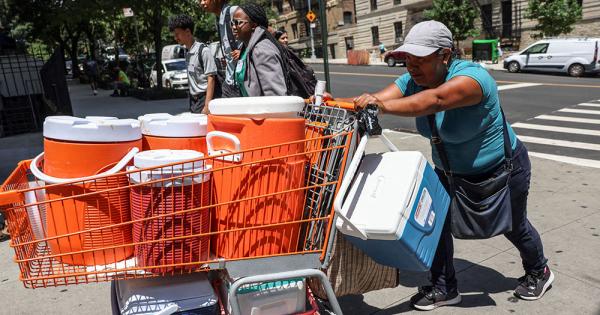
(439, 145)
(199, 58)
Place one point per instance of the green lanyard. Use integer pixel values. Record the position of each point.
(240, 73)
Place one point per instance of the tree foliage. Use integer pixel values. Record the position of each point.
(555, 17)
(458, 15)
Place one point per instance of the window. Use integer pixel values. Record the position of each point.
(373, 5)
(398, 32)
(375, 35)
(295, 30)
(506, 18)
(347, 18)
(486, 19)
(536, 49)
(292, 5)
(580, 2)
(279, 5)
(397, 2)
(349, 43)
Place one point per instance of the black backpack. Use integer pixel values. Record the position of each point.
(302, 80)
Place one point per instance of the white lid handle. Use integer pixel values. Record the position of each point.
(219, 134)
(55, 180)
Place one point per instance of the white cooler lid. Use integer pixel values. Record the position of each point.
(153, 158)
(381, 193)
(92, 129)
(180, 126)
(259, 107)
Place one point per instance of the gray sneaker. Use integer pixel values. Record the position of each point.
(533, 285)
(429, 298)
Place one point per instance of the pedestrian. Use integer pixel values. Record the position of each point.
(91, 71)
(282, 37)
(458, 103)
(121, 83)
(230, 47)
(259, 71)
(381, 50)
(201, 66)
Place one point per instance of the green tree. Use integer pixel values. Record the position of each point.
(458, 15)
(555, 17)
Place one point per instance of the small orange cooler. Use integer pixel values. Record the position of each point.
(244, 123)
(76, 148)
(182, 132)
(162, 200)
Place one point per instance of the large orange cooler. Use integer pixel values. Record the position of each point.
(237, 124)
(76, 148)
(168, 237)
(182, 132)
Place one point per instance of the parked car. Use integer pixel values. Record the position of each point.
(574, 56)
(174, 74)
(394, 57)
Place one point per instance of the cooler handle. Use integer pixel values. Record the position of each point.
(55, 180)
(220, 134)
(350, 228)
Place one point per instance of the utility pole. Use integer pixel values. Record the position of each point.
(324, 35)
(312, 39)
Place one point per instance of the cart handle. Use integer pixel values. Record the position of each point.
(55, 180)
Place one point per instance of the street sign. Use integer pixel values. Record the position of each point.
(311, 16)
(313, 25)
(127, 12)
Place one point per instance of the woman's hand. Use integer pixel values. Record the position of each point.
(235, 54)
(365, 99)
(326, 97)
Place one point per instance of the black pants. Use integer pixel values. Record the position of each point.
(523, 235)
(197, 103)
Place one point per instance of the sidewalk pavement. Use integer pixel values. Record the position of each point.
(378, 62)
(564, 205)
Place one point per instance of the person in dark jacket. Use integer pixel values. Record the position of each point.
(259, 72)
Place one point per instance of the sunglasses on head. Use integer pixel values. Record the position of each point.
(238, 23)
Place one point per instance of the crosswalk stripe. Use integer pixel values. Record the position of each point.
(516, 86)
(589, 104)
(561, 143)
(569, 119)
(567, 159)
(578, 131)
(580, 111)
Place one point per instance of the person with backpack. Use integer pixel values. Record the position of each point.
(260, 69)
(201, 66)
(230, 47)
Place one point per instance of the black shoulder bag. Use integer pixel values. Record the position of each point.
(483, 209)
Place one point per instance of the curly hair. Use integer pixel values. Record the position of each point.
(181, 21)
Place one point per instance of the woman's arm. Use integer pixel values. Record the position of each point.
(460, 91)
(269, 70)
(390, 92)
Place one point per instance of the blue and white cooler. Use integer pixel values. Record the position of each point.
(394, 208)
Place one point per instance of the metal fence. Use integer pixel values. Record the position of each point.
(32, 86)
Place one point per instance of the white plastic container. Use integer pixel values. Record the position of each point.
(273, 298)
(166, 295)
(395, 209)
(154, 158)
(182, 132)
(258, 107)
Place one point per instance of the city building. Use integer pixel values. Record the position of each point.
(363, 24)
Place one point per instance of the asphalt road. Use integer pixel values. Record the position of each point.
(524, 96)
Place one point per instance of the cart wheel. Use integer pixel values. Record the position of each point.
(114, 304)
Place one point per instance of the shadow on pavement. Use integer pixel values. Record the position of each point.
(476, 283)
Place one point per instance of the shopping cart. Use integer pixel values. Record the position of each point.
(81, 232)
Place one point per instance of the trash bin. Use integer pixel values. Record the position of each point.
(485, 50)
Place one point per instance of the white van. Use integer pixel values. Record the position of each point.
(170, 52)
(575, 56)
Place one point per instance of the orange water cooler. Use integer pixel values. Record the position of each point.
(167, 237)
(182, 132)
(237, 124)
(76, 148)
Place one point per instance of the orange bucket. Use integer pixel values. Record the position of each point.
(182, 132)
(76, 148)
(231, 134)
